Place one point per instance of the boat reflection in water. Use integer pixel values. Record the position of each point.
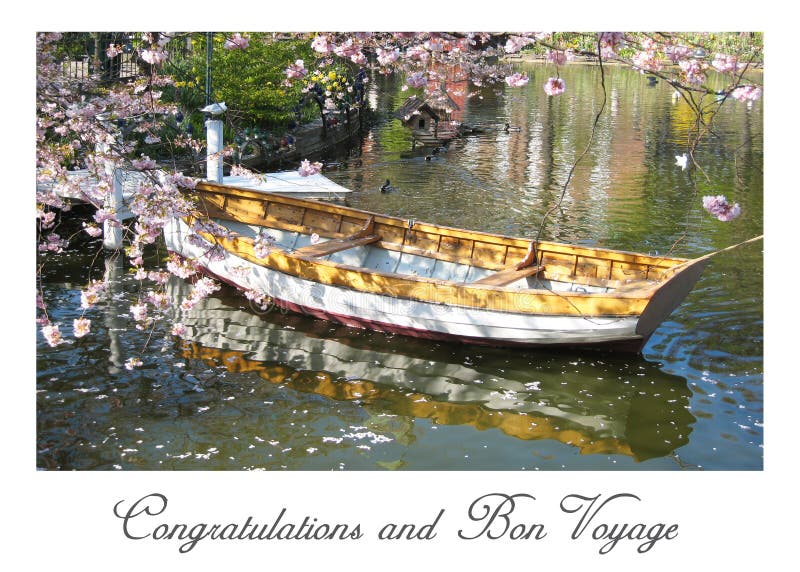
(608, 405)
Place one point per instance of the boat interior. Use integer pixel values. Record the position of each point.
(390, 245)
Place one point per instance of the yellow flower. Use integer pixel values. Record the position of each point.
(332, 75)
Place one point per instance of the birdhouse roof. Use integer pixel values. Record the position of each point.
(414, 106)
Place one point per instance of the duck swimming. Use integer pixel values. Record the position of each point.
(508, 128)
(386, 187)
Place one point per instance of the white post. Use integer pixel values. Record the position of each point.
(112, 231)
(214, 147)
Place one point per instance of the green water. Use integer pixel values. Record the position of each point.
(278, 391)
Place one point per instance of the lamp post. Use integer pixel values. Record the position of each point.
(214, 141)
(209, 53)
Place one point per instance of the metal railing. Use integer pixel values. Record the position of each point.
(83, 55)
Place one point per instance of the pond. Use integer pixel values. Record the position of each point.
(252, 390)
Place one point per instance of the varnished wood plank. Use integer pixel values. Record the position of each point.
(505, 277)
(490, 297)
(392, 230)
(325, 248)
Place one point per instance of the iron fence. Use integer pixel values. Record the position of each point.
(83, 55)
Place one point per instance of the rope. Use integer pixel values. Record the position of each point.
(710, 254)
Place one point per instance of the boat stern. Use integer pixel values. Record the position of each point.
(669, 295)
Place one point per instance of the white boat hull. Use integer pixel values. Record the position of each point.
(408, 317)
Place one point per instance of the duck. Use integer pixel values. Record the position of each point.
(652, 79)
(428, 157)
(508, 128)
(386, 187)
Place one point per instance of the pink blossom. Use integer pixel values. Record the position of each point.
(258, 298)
(677, 53)
(517, 79)
(262, 244)
(159, 300)
(113, 50)
(417, 53)
(143, 163)
(105, 214)
(178, 329)
(321, 45)
(201, 289)
(158, 277)
(747, 93)
(47, 218)
(516, 43)
(307, 168)
(557, 57)
(359, 58)
(693, 71)
(181, 268)
(724, 63)
(385, 57)
(296, 70)
(139, 312)
(253, 177)
(417, 79)
(609, 43)
(646, 60)
(719, 207)
(314, 238)
(53, 243)
(237, 42)
(52, 334)
(81, 327)
(133, 363)
(347, 49)
(154, 57)
(91, 295)
(555, 86)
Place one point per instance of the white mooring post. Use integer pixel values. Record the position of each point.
(112, 231)
(214, 147)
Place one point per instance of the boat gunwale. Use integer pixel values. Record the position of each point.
(624, 256)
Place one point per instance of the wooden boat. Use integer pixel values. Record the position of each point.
(408, 382)
(394, 275)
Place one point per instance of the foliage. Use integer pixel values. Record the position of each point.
(251, 82)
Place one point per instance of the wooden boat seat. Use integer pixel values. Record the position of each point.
(505, 277)
(336, 245)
